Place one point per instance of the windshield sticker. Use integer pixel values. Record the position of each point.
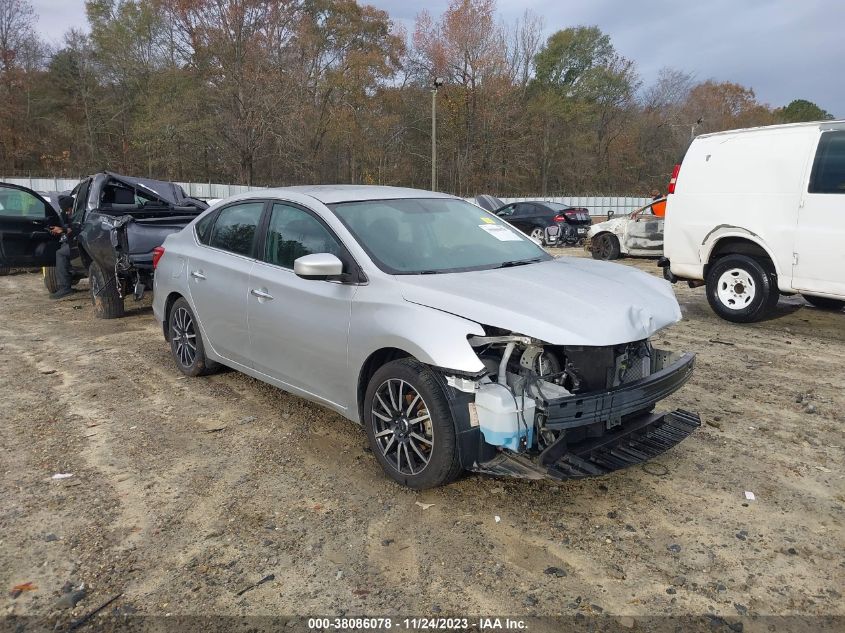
(500, 232)
(487, 220)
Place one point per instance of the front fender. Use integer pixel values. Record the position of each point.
(431, 336)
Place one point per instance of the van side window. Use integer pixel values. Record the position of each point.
(828, 175)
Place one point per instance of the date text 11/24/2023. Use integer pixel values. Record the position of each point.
(415, 624)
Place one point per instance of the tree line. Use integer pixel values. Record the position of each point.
(282, 92)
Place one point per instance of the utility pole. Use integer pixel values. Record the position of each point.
(692, 129)
(438, 81)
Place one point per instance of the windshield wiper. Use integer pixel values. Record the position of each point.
(518, 262)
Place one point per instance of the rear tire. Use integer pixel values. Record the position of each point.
(605, 247)
(186, 345)
(538, 234)
(825, 303)
(740, 289)
(399, 443)
(51, 280)
(108, 304)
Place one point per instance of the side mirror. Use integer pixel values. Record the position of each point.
(318, 266)
(610, 214)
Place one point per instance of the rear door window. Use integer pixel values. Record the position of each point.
(828, 175)
(235, 228)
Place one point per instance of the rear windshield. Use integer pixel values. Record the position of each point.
(434, 235)
(557, 206)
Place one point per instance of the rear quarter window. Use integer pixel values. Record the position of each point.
(828, 175)
(203, 228)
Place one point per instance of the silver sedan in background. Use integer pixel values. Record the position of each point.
(456, 341)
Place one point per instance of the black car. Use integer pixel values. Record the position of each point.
(533, 217)
(488, 203)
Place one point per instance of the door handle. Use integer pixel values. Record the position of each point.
(261, 294)
(197, 274)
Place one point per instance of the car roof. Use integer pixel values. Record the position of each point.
(834, 124)
(332, 194)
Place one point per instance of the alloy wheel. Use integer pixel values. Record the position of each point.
(402, 426)
(184, 337)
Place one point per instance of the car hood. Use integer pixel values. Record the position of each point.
(566, 301)
(614, 225)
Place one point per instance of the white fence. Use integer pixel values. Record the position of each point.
(597, 205)
(202, 190)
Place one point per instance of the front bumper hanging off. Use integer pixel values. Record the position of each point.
(633, 443)
(637, 437)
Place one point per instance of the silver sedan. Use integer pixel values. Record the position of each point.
(456, 341)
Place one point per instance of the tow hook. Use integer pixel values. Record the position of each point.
(668, 275)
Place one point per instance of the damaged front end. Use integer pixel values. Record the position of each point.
(562, 412)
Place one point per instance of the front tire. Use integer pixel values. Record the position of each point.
(186, 345)
(410, 425)
(108, 304)
(740, 289)
(605, 247)
(825, 303)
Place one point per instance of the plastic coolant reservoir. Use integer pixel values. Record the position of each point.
(499, 416)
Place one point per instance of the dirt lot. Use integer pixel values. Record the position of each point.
(186, 491)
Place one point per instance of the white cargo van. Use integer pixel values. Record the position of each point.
(757, 212)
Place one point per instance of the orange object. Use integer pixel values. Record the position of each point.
(659, 208)
(19, 589)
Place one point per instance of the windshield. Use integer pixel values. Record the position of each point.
(434, 235)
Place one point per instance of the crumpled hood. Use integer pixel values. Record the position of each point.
(614, 225)
(566, 301)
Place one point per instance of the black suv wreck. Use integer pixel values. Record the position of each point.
(116, 223)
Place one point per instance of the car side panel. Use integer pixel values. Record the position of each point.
(380, 318)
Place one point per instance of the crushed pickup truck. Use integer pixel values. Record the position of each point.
(116, 224)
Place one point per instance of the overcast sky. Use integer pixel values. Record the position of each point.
(783, 49)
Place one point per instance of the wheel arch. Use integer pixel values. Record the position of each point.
(172, 298)
(85, 257)
(371, 365)
(740, 245)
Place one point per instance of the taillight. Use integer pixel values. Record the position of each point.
(674, 179)
(560, 217)
(158, 253)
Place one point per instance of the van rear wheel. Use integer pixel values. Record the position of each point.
(740, 289)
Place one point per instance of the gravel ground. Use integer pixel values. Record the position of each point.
(184, 492)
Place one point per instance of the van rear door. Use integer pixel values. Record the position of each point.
(819, 260)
